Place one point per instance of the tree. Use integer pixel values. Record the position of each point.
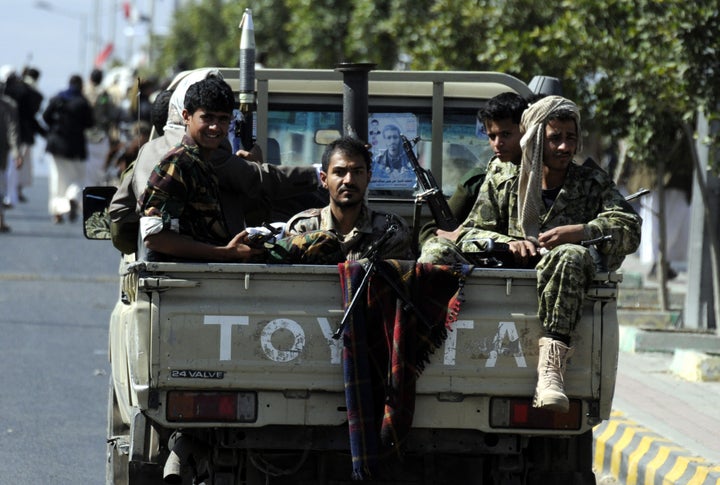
(290, 33)
(206, 33)
(616, 58)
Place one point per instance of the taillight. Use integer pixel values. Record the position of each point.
(222, 406)
(520, 413)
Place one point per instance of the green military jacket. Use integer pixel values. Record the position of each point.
(588, 196)
(370, 226)
(183, 190)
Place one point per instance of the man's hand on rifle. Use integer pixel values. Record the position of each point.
(573, 233)
(527, 250)
(451, 235)
(523, 251)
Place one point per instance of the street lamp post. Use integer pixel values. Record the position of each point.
(81, 17)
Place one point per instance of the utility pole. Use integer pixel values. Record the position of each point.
(96, 41)
(702, 298)
(151, 34)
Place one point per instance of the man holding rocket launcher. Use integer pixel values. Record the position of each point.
(249, 188)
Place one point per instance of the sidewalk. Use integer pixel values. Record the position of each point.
(665, 427)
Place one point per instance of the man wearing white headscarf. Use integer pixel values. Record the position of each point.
(532, 125)
(242, 182)
(547, 206)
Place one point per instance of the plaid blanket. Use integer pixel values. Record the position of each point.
(400, 321)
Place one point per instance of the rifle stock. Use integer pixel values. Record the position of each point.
(431, 192)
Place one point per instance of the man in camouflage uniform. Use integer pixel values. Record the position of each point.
(181, 214)
(346, 174)
(501, 119)
(547, 206)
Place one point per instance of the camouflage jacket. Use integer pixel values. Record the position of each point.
(370, 226)
(183, 190)
(587, 197)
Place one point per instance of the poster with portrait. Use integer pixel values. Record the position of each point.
(391, 167)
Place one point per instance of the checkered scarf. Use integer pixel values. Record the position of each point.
(386, 347)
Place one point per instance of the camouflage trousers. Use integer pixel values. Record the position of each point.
(563, 277)
(438, 250)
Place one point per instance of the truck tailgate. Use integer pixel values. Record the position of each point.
(269, 329)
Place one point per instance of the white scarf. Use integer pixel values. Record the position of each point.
(532, 125)
(177, 99)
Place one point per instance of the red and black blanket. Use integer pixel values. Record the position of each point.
(386, 346)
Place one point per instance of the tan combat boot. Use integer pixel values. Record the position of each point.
(550, 390)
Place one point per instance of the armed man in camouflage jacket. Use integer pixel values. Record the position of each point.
(547, 206)
(346, 174)
(500, 118)
(181, 213)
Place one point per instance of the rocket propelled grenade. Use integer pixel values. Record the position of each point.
(247, 59)
(244, 123)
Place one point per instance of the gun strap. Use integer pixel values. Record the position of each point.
(417, 212)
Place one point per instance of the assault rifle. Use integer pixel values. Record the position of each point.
(637, 194)
(430, 191)
(260, 237)
(494, 254)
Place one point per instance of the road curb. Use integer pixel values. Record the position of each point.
(635, 455)
(696, 355)
(644, 339)
(695, 366)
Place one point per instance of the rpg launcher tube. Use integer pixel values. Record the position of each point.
(247, 62)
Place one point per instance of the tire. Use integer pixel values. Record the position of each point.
(116, 470)
(119, 470)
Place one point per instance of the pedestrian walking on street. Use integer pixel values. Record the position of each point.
(23, 89)
(68, 115)
(104, 134)
(9, 139)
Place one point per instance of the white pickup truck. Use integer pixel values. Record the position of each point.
(229, 373)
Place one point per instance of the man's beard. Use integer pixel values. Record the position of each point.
(348, 203)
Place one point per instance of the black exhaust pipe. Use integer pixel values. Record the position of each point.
(355, 98)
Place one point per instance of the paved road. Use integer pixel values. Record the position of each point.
(56, 293)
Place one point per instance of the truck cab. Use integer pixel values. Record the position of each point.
(439, 109)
